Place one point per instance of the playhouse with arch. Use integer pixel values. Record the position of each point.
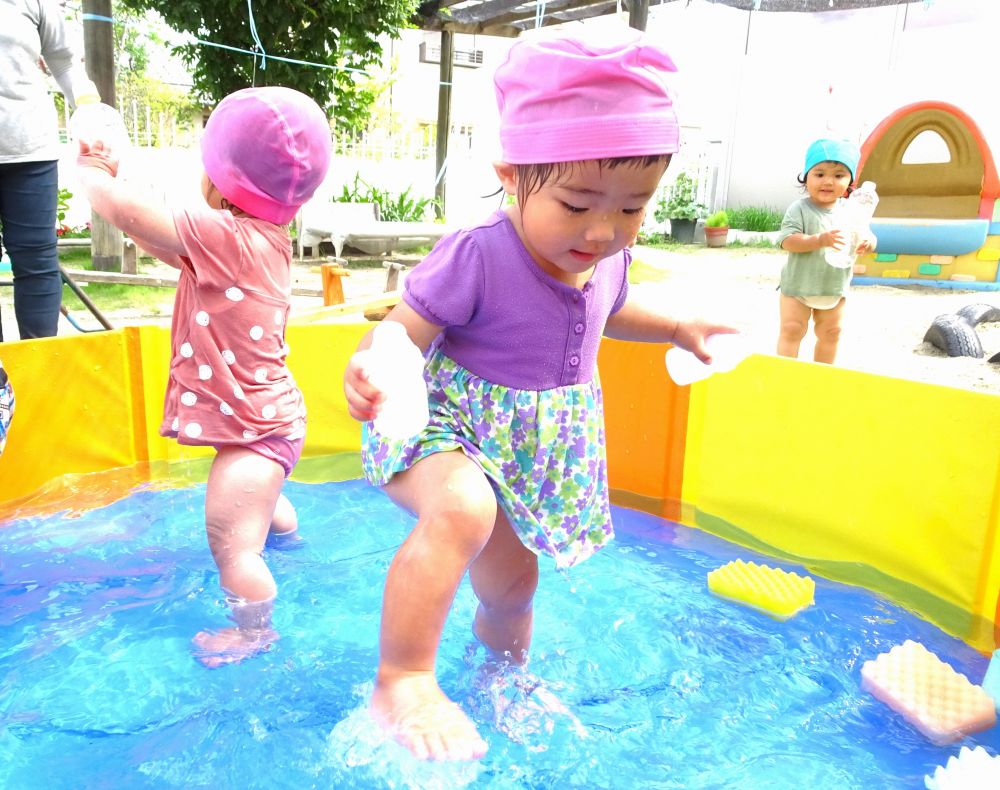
(937, 222)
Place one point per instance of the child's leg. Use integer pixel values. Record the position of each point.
(456, 510)
(284, 521)
(794, 323)
(243, 490)
(827, 328)
(505, 577)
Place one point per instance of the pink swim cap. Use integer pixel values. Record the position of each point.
(267, 150)
(570, 98)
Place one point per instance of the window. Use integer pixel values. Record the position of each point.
(470, 58)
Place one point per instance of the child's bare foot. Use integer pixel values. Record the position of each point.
(522, 705)
(418, 715)
(214, 649)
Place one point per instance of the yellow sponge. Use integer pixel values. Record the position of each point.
(772, 591)
(928, 693)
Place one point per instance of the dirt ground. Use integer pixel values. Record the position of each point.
(883, 327)
(883, 330)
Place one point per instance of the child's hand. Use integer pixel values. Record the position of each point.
(832, 238)
(364, 400)
(97, 155)
(865, 245)
(691, 335)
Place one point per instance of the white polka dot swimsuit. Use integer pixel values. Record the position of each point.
(229, 383)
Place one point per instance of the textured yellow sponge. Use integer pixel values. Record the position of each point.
(928, 693)
(772, 591)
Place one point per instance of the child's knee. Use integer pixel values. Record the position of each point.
(464, 524)
(828, 331)
(793, 329)
(229, 544)
(469, 508)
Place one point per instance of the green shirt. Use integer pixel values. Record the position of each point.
(808, 273)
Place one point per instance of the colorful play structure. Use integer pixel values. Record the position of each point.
(937, 223)
(904, 500)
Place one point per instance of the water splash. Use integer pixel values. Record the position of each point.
(360, 745)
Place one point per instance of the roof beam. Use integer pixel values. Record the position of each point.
(808, 6)
(511, 17)
(505, 17)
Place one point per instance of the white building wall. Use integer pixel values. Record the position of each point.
(767, 84)
(757, 87)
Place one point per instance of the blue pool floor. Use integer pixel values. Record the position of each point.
(664, 685)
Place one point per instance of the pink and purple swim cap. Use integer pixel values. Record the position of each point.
(571, 98)
(267, 150)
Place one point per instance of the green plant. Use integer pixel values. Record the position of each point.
(680, 201)
(719, 219)
(391, 208)
(404, 208)
(762, 219)
(62, 204)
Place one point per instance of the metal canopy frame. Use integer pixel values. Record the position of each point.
(510, 18)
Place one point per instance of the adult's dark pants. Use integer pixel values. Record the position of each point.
(29, 196)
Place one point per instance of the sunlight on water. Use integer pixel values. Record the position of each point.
(639, 677)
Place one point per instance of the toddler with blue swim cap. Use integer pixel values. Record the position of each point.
(811, 287)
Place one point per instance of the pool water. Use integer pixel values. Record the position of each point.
(664, 685)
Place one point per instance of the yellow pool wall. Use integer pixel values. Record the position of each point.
(870, 480)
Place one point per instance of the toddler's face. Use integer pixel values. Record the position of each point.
(826, 182)
(590, 213)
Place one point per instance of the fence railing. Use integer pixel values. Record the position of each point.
(148, 128)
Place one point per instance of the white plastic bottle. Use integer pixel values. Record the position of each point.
(396, 366)
(93, 120)
(727, 351)
(854, 218)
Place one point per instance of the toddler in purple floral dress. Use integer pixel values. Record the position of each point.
(510, 314)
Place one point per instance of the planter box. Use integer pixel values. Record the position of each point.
(716, 237)
(682, 230)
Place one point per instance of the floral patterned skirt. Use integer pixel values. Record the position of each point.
(543, 452)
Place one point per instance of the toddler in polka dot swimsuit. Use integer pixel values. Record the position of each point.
(264, 152)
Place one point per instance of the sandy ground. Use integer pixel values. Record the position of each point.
(883, 327)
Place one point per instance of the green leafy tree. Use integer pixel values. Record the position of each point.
(134, 33)
(342, 34)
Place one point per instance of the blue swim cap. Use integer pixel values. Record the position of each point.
(827, 150)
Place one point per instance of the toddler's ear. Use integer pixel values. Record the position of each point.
(507, 173)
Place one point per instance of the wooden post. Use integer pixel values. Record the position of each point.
(130, 257)
(444, 118)
(99, 55)
(393, 268)
(638, 12)
(333, 285)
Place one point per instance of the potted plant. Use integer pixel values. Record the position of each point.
(681, 207)
(716, 229)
